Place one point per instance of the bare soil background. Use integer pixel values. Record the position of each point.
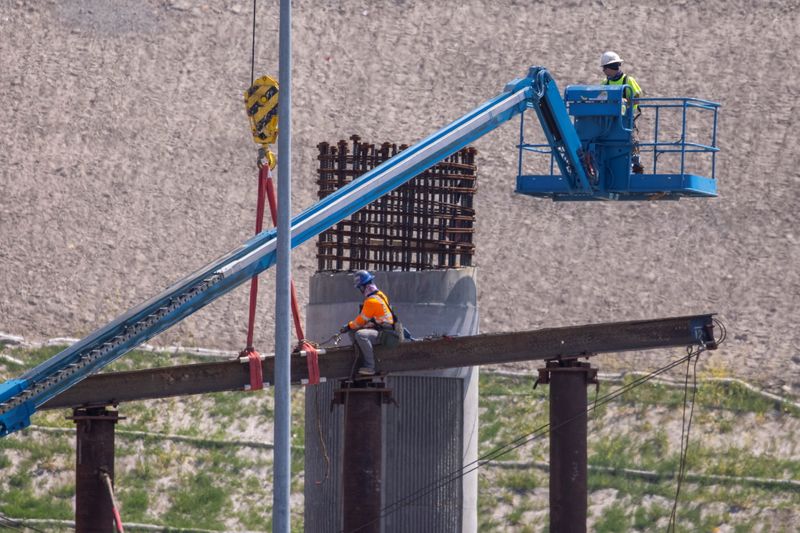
(126, 160)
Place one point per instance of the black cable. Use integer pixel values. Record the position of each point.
(723, 331)
(253, 53)
(685, 430)
(520, 441)
(321, 437)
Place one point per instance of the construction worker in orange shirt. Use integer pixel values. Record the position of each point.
(376, 318)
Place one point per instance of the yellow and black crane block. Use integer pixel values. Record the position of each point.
(261, 101)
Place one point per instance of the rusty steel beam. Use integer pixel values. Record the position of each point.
(544, 344)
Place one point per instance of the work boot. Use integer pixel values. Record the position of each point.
(366, 371)
(638, 168)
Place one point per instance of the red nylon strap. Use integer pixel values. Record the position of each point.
(263, 174)
(266, 191)
(114, 507)
(256, 375)
(312, 359)
(273, 209)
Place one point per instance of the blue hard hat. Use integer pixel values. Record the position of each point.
(362, 277)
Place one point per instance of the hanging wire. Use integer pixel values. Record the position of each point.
(321, 437)
(685, 429)
(253, 53)
(541, 431)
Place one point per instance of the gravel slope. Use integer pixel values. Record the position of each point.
(126, 162)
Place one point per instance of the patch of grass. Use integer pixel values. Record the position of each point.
(515, 516)
(23, 503)
(636, 488)
(612, 451)
(29, 357)
(653, 454)
(489, 430)
(486, 505)
(493, 385)
(134, 504)
(645, 518)
(259, 519)
(741, 462)
(737, 398)
(614, 519)
(520, 481)
(730, 396)
(227, 406)
(654, 450)
(186, 510)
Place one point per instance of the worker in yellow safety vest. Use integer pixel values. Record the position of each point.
(611, 63)
(375, 317)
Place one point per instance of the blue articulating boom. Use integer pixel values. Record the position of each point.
(20, 398)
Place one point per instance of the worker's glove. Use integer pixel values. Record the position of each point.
(344, 329)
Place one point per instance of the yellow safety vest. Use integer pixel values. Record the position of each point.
(630, 82)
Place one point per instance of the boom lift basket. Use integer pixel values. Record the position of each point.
(676, 165)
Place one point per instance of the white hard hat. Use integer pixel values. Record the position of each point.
(609, 57)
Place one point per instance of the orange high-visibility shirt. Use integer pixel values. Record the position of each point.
(374, 310)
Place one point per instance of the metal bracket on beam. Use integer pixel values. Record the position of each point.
(566, 365)
(376, 386)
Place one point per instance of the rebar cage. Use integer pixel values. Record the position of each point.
(427, 223)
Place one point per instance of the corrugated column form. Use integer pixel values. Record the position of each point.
(324, 429)
(418, 497)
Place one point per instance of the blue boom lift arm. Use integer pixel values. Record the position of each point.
(20, 398)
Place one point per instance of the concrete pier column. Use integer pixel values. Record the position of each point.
(428, 436)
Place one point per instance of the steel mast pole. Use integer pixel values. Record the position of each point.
(281, 484)
(568, 380)
(94, 451)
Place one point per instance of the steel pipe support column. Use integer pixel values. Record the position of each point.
(282, 463)
(94, 512)
(568, 453)
(362, 464)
